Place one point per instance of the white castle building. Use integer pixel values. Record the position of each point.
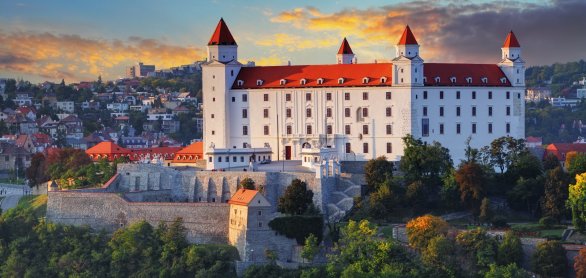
(359, 111)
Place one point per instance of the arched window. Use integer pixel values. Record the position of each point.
(468, 80)
(259, 82)
(320, 81)
(383, 80)
(453, 79)
(340, 80)
(240, 83)
(365, 80)
(303, 81)
(437, 79)
(283, 82)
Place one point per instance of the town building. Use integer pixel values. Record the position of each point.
(538, 94)
(66, 106)
(139, 70)
(361, 110)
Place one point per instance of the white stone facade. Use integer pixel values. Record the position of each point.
(484, 104)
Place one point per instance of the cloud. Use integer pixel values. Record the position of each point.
(296, 43)
(457, 30)
(57, 56)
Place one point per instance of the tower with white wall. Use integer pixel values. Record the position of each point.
(345, 54)
(407, 65)
(511, 62)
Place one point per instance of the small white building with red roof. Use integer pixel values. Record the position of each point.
(362, 110)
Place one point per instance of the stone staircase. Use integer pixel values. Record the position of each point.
(342, 198)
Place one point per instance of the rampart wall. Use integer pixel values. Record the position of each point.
(205, 222)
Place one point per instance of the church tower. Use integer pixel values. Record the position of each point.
(511, 62)
(345, 54)
(218, 75)
(407, 65)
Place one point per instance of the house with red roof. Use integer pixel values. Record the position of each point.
(560, 150)
(111, 151)
(361, 110)
(189, 155)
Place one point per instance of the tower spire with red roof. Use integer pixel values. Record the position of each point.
(407, 37)
(511, 40)
(345, 54)
(222, 47)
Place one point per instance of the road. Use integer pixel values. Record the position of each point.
(11, 197)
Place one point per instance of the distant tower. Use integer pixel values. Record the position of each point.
(345, 54)
(407, 65)
(511, 62)
(218, 75)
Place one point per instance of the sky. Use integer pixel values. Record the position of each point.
(80, 40)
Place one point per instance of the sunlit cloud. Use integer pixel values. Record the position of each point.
(295, 43)
(76, 58)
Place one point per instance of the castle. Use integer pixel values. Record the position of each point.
(329, 117)
(361, 111)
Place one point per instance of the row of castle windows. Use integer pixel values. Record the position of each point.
(425, 128)
(473, 110)
(329, 129)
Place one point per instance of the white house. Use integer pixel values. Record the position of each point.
(360, 110)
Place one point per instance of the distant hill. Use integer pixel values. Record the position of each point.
(559, 77)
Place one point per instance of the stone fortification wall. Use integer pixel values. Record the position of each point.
(205, 222)
(352, 167)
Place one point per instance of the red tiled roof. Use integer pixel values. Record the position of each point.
(532, 139)
(352, 74)
(511, 40)
(243, 197)
(561, 149)
(345, 48)
(462, 71)
(41, 138)
(222, 35)
(407, 37)
(193, 150)
(21, 140)
(107, 147)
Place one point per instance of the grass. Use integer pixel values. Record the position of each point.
(539, 230)
(38, 203)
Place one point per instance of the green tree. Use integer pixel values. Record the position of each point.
(424, 162)
(503, 151)
(377, 171)
(510, 250)
(506, 271)
(450, 193)
(247, 183)
(478, 247)
(471, 179)
(577, 202)
(422, 229)
(174, 244)
(550, 162)
(549, 259)
(526, 194)
(440, 255)
(555, 193)
(310, 248)
(576, 163)
(297, 199)
(135, 251)
(361, 254)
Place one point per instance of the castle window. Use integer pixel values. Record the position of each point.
(490, 128)
(468, 80)
(260, 224)
(328, 96)
(441, 94)
(328, 112)
(503, 80)
(401, 70)
(473, 128)
(441, 128)
(308, 112)
(473, 94)
(365, 96)
(365, 80)
(287, 97)
(244, 98)
(389, 129)
(453, 79)
(347, 129)
(348, 148)
(389, 147)
(365, 112)
(266, 97)
(219, 159)
(489, 94)
(458, 129)
(265, 113)
(424, 94)
(365, 129)
(288, 112)
(320, 81)
(389, 111)
(303, 81)
(437, 79)
(244, 113)
(508, 95)
(457, 94)
(388, 95)
(259, 82)
(329, 129)
(346, 96)
(244, 130)
(484, 80)
(340, 80)
(508, 128)
(240, 83)
(383, 80)
(231, 72)
(266, 130)
(425, 79)
(210, 159)
(259, 213)
(289, 130)
(308, 97)
(283, 82)
(346, 112)
(490, 111)
(309, 130)
(365, 147)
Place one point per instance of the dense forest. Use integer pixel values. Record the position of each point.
(560, 75)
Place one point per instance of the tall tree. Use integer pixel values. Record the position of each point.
(377, 171)
(549, 259)
(471, 180)
(550, 162)
(427, 163)
(297, 199)
(422, 229)
(36, 173)
(510, 250)
(502, 151)
(577, 202)
(555, 193)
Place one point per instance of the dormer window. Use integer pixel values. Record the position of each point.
(383, 80)
(341, 80)
(320, 81)
(425, 79)
(259, 82)
(468, 80)
(453, 79)
(303, 81)
(484, 80)
(365, 80)
(240, 83)
(282, 82)
(503, 80)
(437, 79)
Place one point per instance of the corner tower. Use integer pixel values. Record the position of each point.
(222, 47)
(218, 75)
(407, 65)
(511, 62)
(345, 54)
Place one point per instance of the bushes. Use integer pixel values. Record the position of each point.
(298, 227)
(547, 221)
